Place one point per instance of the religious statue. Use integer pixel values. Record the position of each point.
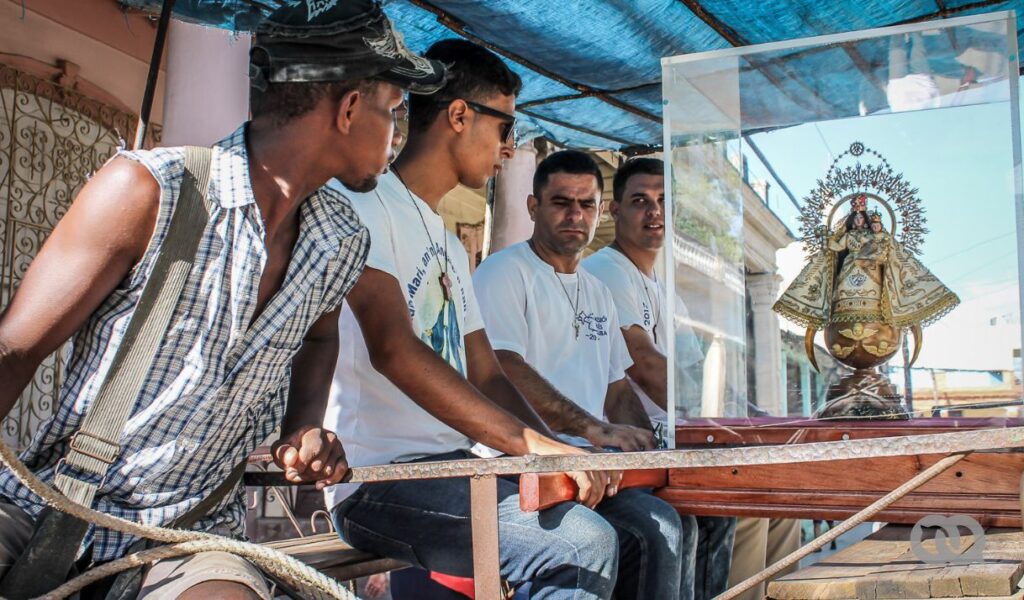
(862, 284)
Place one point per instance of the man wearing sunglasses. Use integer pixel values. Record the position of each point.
(416, 377)
(508, 122)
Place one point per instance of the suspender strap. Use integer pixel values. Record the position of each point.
(57, 537)
(96, 444)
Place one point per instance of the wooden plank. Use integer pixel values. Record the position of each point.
(946, 503)
(781, 508)
(996, 472)
(839, 575)
(884, 567)
(946, 583)
(363, 569)
(329, 553)
(987, 580)
(913, 578)
(1004, 544)
(538, 491)
(904, 581)
(984, 486)
(284, 544)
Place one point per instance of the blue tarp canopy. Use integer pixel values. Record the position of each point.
(591, 69)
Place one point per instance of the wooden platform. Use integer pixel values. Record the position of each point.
(884, 566)
(984, 486)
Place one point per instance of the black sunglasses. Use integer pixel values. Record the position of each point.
(400, 113)
(508, 128)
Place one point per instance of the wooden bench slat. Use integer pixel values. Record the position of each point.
(303, 541)
(330, 554)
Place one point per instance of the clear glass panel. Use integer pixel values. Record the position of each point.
(781, 160)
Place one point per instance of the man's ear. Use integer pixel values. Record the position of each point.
(457, 110)
(613, 209)
(531, 206)
(351, 103)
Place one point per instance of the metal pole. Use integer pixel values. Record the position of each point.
(154, 73)
(483, 499)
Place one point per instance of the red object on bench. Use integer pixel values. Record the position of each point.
(462, 585)
(538, 491)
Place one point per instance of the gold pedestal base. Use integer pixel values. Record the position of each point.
(864, 394)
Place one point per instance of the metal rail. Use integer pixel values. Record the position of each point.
(938, 443)
(482, 472)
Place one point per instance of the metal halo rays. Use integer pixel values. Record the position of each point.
(876, 179)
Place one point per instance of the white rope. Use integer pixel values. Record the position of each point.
(277, 563)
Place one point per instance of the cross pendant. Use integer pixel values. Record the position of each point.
(446, 286)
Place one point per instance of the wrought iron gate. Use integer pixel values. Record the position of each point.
(51, 139)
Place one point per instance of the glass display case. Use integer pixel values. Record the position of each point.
(845, 218)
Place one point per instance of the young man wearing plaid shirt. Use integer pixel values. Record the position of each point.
(278, 254)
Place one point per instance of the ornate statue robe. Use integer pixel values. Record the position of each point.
(878, 281)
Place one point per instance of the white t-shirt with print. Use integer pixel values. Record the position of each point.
(638, 301)
(527, 308)
(376, 421)
(639, 307)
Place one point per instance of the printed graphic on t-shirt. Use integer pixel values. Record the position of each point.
(596, 326)
(441, 329)
(647, 316)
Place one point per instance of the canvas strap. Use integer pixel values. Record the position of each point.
(95, 446)
(57, 537)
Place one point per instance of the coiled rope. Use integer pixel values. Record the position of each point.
(305, 578)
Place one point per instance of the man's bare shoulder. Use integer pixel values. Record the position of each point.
(122, 200)
(128, 175)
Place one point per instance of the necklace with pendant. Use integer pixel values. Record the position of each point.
(575, 306)
(443, 279)
(655, 316)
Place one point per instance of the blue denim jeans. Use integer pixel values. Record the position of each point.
(567, 552)
(713, 555)
(655, 546)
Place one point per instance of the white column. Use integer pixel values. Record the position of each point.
(206, 95)
(806, 393)
(712, 400)
(511, 222)
(768, 392)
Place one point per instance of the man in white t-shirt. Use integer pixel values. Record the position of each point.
(627, 267)
(416, 377)
(556, 333)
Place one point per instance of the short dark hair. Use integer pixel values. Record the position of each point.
(572, 162)
(474, 73)
(634, 166)
(282, 102)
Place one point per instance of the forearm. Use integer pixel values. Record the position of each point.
(421, 374)
(16, 372)
(501, 391)
(650, 372)
(560, 413)
(310, 385)
(624, 407)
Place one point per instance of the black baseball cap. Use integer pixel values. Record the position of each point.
(337, 40)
